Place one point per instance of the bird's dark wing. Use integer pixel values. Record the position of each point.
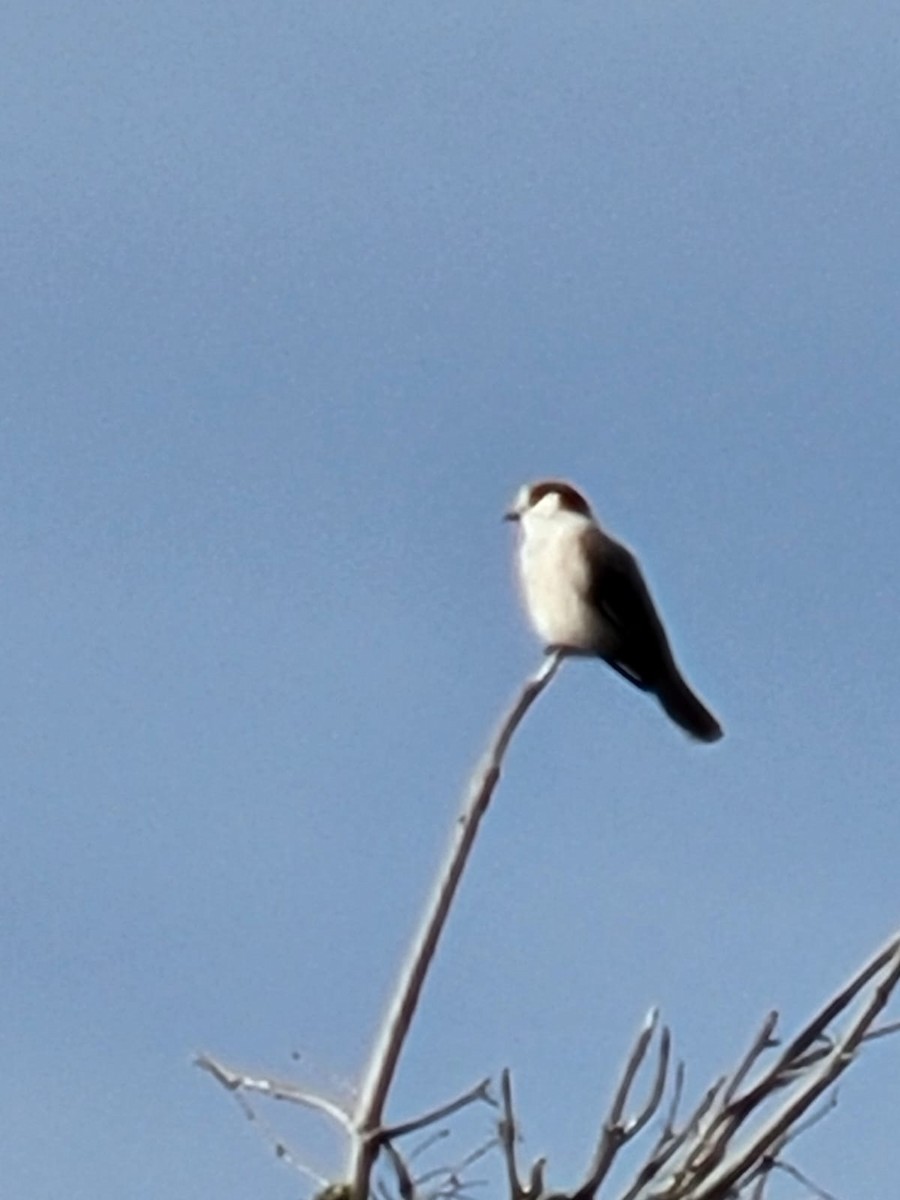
(635, 643)
(640, 649)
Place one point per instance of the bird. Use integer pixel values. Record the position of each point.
(585, 594)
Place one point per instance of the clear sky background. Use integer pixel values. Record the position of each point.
(295, 295)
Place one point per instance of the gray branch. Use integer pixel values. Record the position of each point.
(385, 1056)
(481, 1091)
(617, 1131)
(273, 1088)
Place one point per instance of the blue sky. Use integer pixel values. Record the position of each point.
(295, 296)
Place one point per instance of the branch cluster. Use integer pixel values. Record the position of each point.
(726, 1147)
(729, 1144)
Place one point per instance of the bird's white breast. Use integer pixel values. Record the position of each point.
(555, 577)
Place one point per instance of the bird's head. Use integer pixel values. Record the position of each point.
(546, 499)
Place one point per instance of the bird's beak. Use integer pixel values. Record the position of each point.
(512, 515)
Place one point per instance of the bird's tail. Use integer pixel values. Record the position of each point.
(687, 710)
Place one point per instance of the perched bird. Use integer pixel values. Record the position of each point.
(585, 593)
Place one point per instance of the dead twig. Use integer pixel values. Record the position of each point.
(234, 1084)
(481, 1091)
(617, 1130)
(456, 1172)
(235, 1081)
(671, 1141)
(508, 1135)
(811, 1187)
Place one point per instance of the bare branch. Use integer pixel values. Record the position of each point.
(759, 1191)
(286, 1154)
(813, 1188)
(472, 1096)
(820, 1022)
(762, 1042)
(735, 1168)
(389, 1043)
(508, 1132)
(703, 1108)
(456, 1172)
(536, 1187)
(809, 1048)
(669, 1142)
(637, 1122)
(882, 1031)
(725, 1116)
(234, 1084)
(275, 1089)
(668, 1129)
(405, 1184)
(632, 1065)
(772, 1158)
(616, 1131)
(802, 1126)
(425, 1145)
